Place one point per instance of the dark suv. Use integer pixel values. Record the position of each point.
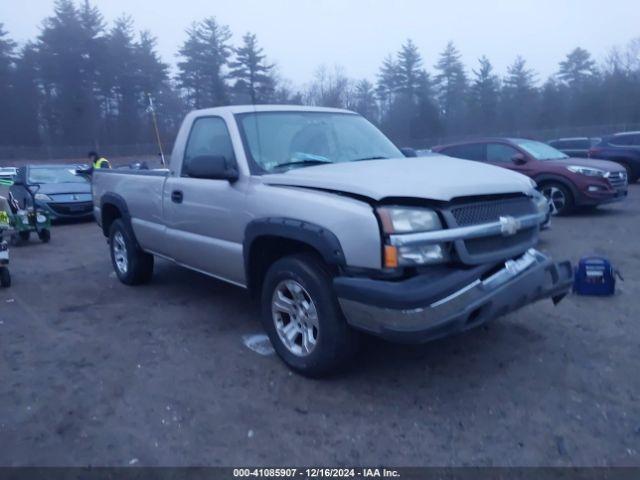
(622, 148)
(575, 146)
(567, 182)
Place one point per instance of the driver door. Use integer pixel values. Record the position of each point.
(204, 216)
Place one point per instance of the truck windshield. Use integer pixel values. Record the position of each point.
(540, 151)
(278, 141)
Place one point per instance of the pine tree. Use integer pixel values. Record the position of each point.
(483, 98)
(410, 74)
(253, 79)
(365, 100)
(205, 55)
(577, 68)
(7, 48)
(26, 96)
(519, 97)
(388, 82)
(124, 81)
(451, 85)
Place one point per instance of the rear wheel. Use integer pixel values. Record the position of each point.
(559, 196)
(5, 277)
(303, 318)
(132, 265)
(24, 236)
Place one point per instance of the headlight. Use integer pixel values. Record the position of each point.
(588, 171)
(408, 220)
(41, 218)
(42, 197)
(401, 220)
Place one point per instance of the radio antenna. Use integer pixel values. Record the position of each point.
(152, 111)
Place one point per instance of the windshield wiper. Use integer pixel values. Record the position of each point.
(378, 157)
(302, 163)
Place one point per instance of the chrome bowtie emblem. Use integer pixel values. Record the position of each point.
(509, 226)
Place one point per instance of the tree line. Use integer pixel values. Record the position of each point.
(84, 82)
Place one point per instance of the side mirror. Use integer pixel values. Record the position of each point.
(409, 152)
(519, 159)
(213, 167)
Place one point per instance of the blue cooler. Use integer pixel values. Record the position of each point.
(594, 276)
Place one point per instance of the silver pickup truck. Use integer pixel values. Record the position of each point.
(337, 232)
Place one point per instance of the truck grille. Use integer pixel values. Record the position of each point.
(491, 211)
(497, 247)
(618, 180)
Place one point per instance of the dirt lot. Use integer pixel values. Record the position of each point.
(96, 373)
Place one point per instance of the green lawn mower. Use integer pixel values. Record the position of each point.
(5, 276)
(25, 221)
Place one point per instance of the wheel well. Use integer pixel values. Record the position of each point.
(265, 251)
(110, 213)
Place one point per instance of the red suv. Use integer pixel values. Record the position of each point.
(567, 182)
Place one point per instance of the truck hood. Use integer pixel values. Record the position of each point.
(435, 178)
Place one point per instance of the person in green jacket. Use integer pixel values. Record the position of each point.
(98, 161)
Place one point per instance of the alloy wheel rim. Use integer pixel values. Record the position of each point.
(557, 199)
(295, 317)
(120, 253)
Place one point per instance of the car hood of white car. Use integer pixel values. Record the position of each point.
(435, 177)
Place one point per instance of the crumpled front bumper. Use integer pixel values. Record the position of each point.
(423, 309)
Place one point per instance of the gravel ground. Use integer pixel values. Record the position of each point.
(96, 373)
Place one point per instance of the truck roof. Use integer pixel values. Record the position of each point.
(268, 108)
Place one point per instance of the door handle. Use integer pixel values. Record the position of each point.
(176, 196)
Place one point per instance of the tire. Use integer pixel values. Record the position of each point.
(24, 236)
(631, 177)
(44, 235)
(132, 265)
(331, 342)
(562, 202)
(5, 277)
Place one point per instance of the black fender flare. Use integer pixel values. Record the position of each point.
(317, 237)
(120, 203)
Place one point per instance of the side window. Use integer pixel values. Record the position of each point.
(498, 152)
(473, 151)
(209, 137)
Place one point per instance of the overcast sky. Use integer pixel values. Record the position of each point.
(299, 35)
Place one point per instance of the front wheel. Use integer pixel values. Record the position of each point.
(559, 196)
(132, 265)
(303, 318)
